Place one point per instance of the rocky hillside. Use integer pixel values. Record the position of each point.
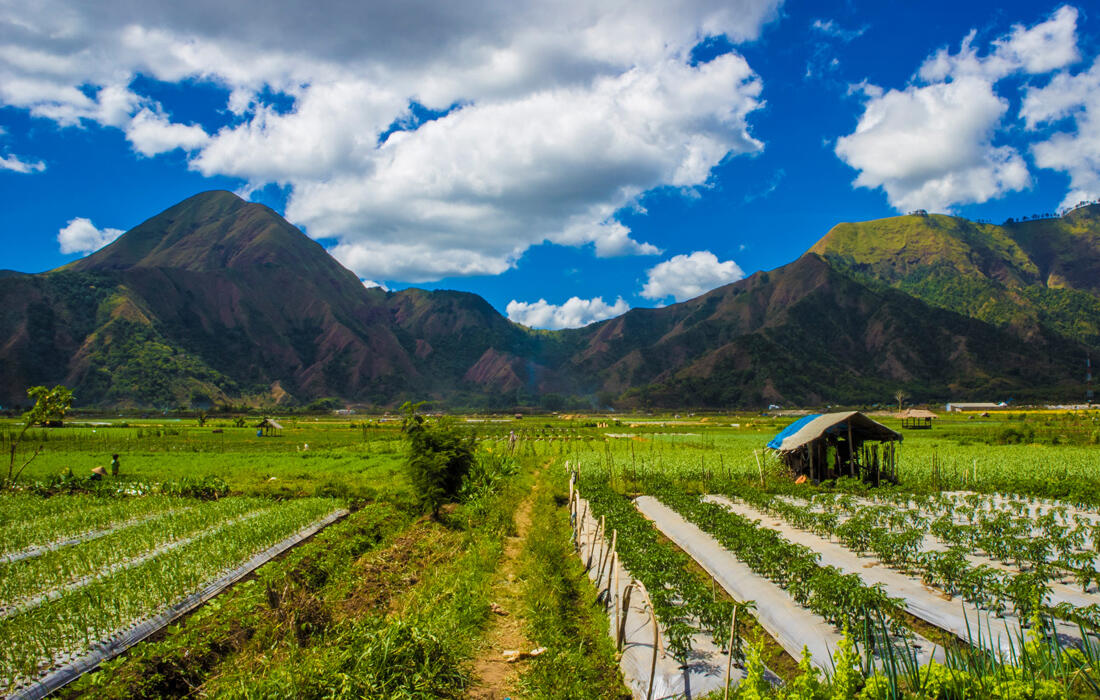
(219, 300)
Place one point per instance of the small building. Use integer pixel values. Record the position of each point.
(270, 427)
(987, 406)
(831, 445)
(917, 419)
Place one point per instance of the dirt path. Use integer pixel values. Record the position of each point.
(494, 677)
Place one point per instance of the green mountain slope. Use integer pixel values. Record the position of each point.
(810, 333)
(1021, 275)
(219, 300)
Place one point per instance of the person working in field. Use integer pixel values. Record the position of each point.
(114, 465)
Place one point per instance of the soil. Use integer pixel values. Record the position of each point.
(383, 575)
(494, 677)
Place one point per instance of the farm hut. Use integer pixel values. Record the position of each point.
(917, 419)
(831, 445)
(270, 427)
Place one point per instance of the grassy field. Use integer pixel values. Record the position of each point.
(389, 603)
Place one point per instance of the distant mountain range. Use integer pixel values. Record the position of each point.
(218, 300)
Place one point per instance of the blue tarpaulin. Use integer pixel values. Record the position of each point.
(791, 430)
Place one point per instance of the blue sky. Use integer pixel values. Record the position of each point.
(567, 161)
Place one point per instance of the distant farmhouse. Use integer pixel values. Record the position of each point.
(960, 407)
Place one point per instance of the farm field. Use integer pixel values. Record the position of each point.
(977, 573)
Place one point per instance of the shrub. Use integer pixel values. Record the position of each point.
(438, 458)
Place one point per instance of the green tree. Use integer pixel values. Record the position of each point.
(50, 407)
(325, 405)
(438, 457)
(553, 402)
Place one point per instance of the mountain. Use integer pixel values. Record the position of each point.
(217, 300)
(809, 333)
(1022, 275)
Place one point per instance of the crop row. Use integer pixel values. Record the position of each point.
(32, 520)
(950, 570)
(841, 599)
(1046, 542)
(56, 569)
(679, 598)
(60, 629)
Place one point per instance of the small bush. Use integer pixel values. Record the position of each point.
(209, 488)
(438, 458)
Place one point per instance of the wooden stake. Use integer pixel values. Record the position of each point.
(621, 637)
(634, 464)
(729, 661)
(851, 452)
(653, 664)
(592, 545)
(604, 558)
(615, 594)
(580, 524)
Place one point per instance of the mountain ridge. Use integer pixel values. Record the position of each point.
(217, 300)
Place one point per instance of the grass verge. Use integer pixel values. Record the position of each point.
(560, 608)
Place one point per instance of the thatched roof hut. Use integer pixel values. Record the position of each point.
(831, 445)
(270, 427)
(917, 419)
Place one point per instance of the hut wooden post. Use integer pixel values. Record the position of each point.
(851, 452)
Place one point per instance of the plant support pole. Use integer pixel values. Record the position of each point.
(653, 664)
(729, 661)
(621, 636)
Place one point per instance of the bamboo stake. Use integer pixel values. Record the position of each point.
(759, 467)
(604, 557)
(580, 524)
(653, 663)
(611, 579)
(615, 596)
(592, 544)
(633, 464)
(851, 452)
(729, 661)
(621, 636)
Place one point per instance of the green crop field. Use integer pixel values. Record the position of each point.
(993, 516)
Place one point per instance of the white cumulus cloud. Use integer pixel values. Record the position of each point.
(152, 133)
(18, 165)
(574, 313)
(687, 276)
(81, 236)
(467, 193)
(933, 145)
(1045, 47)
(1075, 152)
(556, 114)
(371, 283)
